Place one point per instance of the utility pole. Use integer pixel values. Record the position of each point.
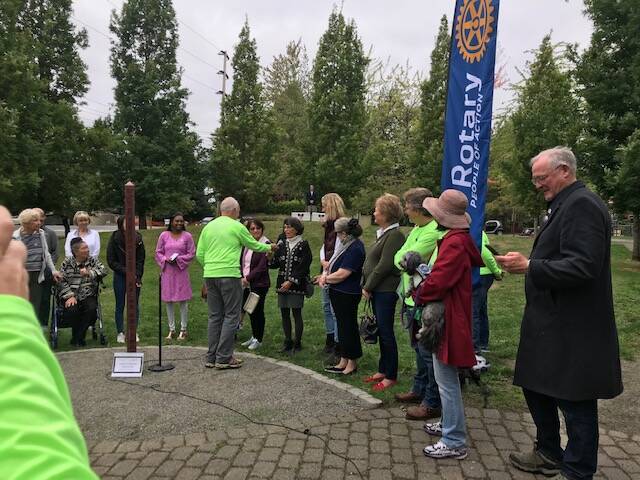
(223, 72)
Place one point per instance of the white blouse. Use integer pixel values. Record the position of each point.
(91, 238)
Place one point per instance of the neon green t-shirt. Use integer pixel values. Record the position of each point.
(39, 435)
(220, 245)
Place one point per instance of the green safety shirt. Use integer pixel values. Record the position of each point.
(39, 436)
(422, 240)
(220, 245)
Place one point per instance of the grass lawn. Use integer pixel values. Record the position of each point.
(506, 301)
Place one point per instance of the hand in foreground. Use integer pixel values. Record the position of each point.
(13, 276)
(285, 286)
(57, 276)
(245, 283)
(513, 262)
(71, 301)
(366, 294)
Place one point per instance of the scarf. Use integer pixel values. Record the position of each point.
(343, 248)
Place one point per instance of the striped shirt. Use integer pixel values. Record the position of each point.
(74, 284)
(33, 243)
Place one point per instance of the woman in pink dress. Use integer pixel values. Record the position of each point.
(174, 253)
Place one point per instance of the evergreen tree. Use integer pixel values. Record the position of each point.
(150, 114)
(427, 165)
(41, 73)
(286, 94)
(241, 158)
(544, 116)
(337, 109)
(609, 77)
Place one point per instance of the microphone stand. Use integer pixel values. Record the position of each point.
(159, 367)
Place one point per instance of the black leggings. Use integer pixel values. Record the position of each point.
(81, 315)
(286, 323)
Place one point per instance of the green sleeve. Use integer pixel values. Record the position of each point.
(251, 243)
(39, 436)
(491, 266)
(200, 249)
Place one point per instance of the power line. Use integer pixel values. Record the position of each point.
(198, 33)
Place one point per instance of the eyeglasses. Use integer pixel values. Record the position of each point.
(541, 178)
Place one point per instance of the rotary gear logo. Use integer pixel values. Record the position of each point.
(474, 26)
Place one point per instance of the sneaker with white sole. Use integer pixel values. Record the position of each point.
(433, 428)
(137, 338)
(120, 337)
(440, 450)
(248, 342)
(254, 345)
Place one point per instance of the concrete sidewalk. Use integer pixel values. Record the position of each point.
(307, 427)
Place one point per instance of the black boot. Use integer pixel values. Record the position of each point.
(287, 347)
(329, 344)
(297, 346)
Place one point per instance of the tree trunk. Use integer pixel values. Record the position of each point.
(635, 251)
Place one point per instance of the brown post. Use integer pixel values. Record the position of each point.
(130, 249)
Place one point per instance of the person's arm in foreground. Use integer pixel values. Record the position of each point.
(39, 436)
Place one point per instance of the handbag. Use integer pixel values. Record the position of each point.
(309, 288)
(368, 325)
(431, 333)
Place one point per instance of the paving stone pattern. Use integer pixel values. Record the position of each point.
(380, 445)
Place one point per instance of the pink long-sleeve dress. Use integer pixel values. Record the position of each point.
(176, 284)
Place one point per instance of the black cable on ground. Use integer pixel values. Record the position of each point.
(306, 431)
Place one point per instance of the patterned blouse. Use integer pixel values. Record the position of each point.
(73, 284)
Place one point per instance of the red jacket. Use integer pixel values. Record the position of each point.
(450, 282)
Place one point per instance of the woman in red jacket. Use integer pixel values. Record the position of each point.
(450, 283)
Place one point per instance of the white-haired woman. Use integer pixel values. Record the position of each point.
(38, 258)
(89, 236)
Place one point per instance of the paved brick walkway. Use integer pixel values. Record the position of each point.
(379, 442)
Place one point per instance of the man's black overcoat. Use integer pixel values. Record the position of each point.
(568, 340)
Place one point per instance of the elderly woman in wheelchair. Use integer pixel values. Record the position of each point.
(78, 289)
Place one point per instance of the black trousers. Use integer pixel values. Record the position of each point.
(345, 307)
(257, 317)
(580, 458)
(81, 315)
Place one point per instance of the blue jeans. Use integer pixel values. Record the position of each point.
(480, 315)
(384, 308)
(580, 457)
(454, 432)
(120, 291)
(330, 325)
(424, 381)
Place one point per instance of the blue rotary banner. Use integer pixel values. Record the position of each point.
(469, 104)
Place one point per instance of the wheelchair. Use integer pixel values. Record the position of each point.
(59, 320)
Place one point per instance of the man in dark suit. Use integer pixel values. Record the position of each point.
(311, 198)
(568, 356)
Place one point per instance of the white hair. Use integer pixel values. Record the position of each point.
(229, 204)
(28, 215)
(558, 156)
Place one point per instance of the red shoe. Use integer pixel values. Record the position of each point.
(373, 378)
(379, 387)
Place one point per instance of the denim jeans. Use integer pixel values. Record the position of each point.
(454, 432)
(224, 299)
(480, 315)
(384, 308)
(120, 291)
(424, 381)
(330, 326)
(580, 457)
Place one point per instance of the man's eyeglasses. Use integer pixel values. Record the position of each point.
(541, 178)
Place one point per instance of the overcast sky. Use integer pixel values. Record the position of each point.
(401, 31)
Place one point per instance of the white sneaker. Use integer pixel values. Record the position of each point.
(440, 450)
(120, 338)
(248, 342)
(481, 364)
(137, 338)
(254, 345)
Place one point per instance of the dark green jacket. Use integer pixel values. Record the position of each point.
(379, 272)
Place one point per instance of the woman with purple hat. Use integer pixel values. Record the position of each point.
(450, 283)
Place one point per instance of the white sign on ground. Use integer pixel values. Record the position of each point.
(127, 364)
